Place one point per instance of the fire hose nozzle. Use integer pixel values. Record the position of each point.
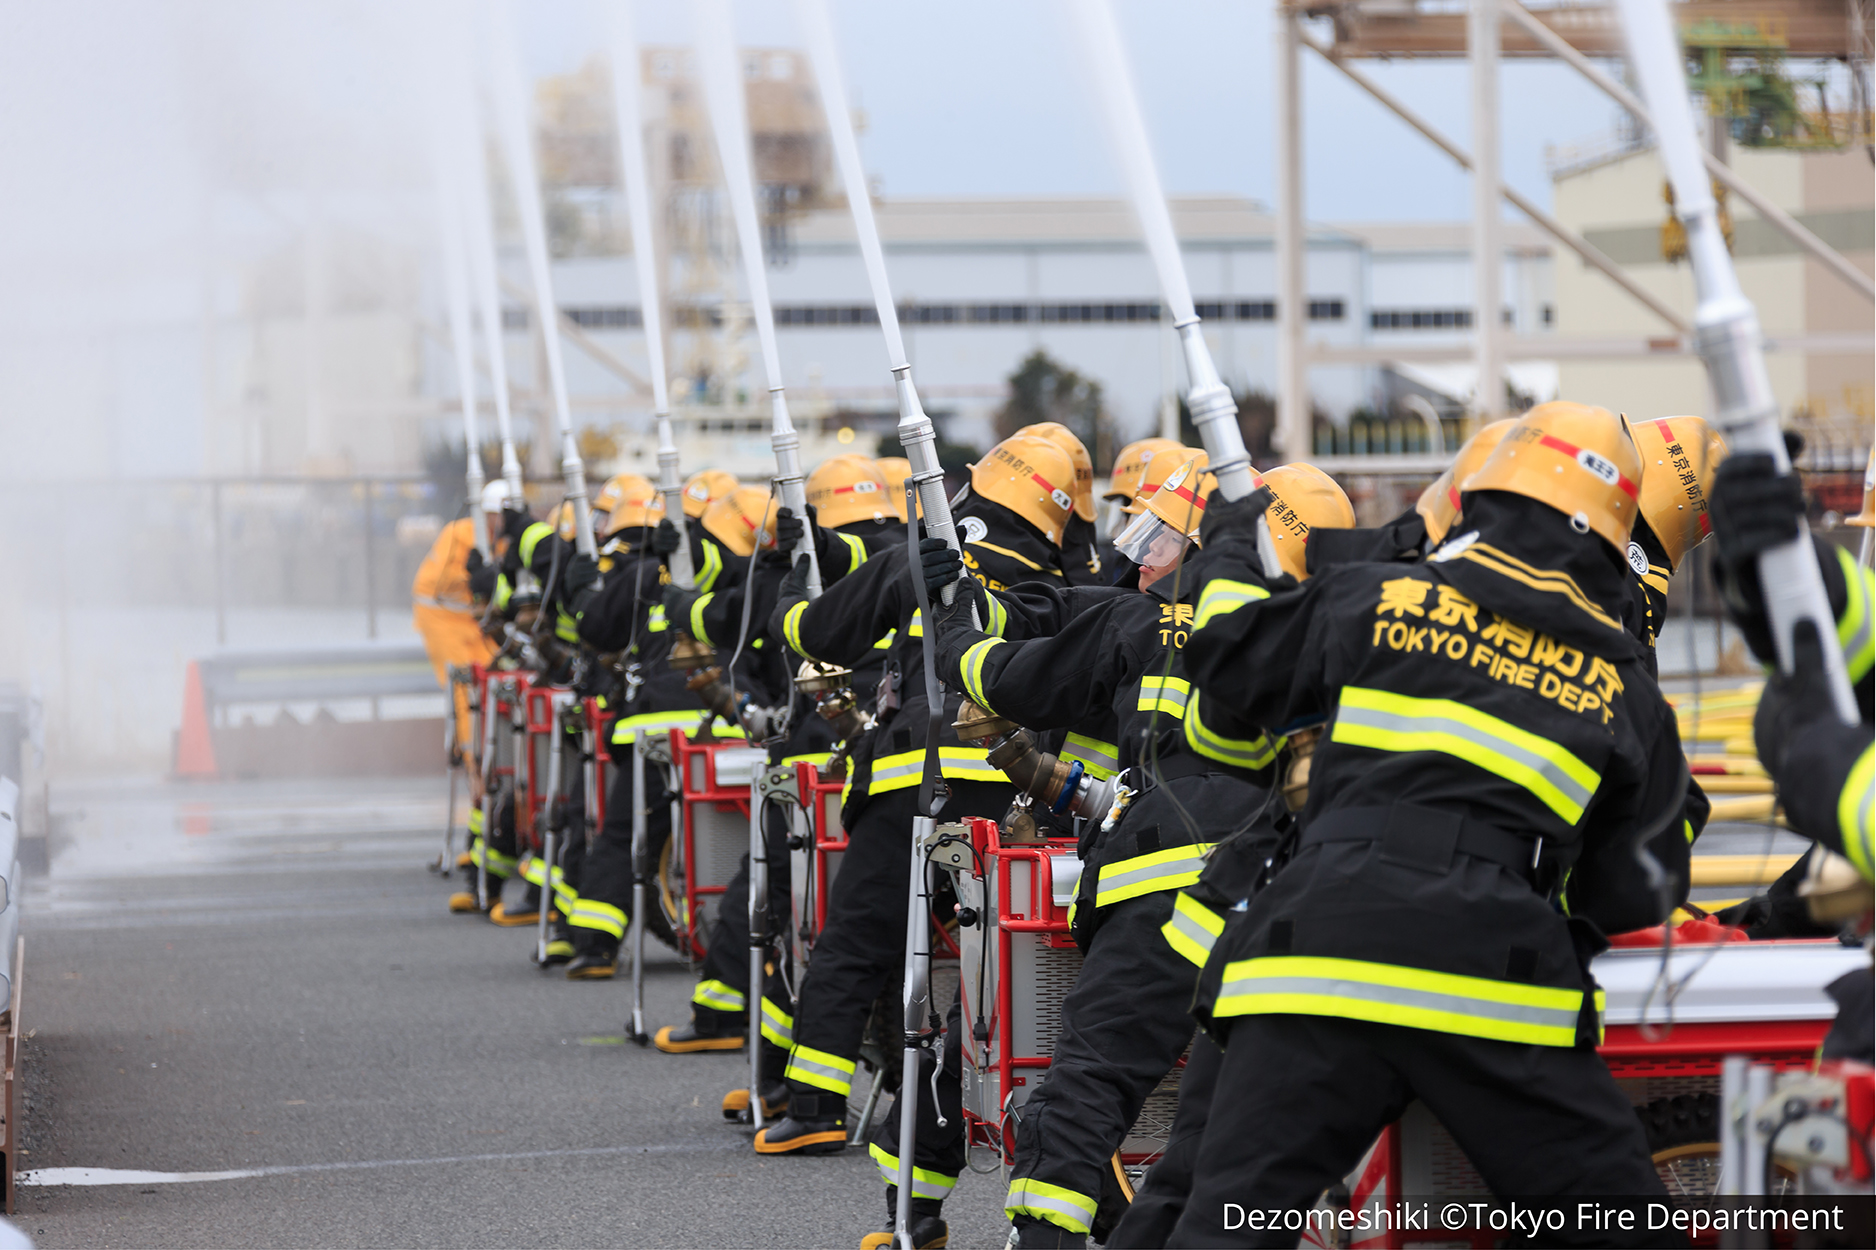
(1061, 786)
(1301, 746)
(688, 655)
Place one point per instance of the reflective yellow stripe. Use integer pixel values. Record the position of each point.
(856, 551)
(1061, 1207)
(1854, 632)
(1099, 759)
(1025, 561)
(531, 539)
(820, 1069)
(903, 770)
(1164, 694)
(1193, 929)
(886, 640)
(777, 1025)
(628, 728)
(655, 623)
(925, 1182)
(564, 894)
(1171, 869)
(791, 627)
(917, 628)
(565, 627)
(1222, 596)
(1853, 812)
(590, 913)
(475, 821)
(706, 578)
(1383, 721)
(996, 617)
(696, 618)
(1258, 752)
(971, 668)
(718, 996)
(1440, 1002)
(499, 865)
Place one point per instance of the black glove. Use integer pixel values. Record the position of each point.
(941, 564)
(1791, 699)
(1233, 518)
(515, 522)
(664, 539)
(789, 528)
(582, 572)
(1752, 510)
(482, 575)
(677, 606)
(795, 585)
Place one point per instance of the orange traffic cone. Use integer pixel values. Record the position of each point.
(195, 748)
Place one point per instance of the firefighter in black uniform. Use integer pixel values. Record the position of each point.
(1184, 788)
(1081, 557)
(625, 615)
(1010, 528)
(1493, 753)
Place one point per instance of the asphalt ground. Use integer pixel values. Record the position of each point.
(262, 978)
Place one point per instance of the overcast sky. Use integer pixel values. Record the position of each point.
(979, 97)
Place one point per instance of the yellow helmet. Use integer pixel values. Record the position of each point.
(1679, 455)
(704, 488)
(636, 503)
(1063, 437)
(742, 519)
(1031, 477)
(1303, 498)
(894, 470)
(1579, 459)
(1169, 517)
(848, 488)
(1130, 466)
(1158, 469)
(1439, 503)
(563, 521)
(1866, 519)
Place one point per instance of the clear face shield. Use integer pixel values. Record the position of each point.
(1153, 545)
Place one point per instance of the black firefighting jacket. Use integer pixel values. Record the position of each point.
(1499, 782)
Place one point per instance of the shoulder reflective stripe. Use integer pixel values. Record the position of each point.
(1413, 998)
(1164, 694)
(1853, 812)
(654, 620)
(1222, 595)
(917, 628)
(1193, 929)
(1099, 759)
(1253, 753)
(971, 668)
(706, 578)
(590, 913)
(1391, 722)
(925, 1182)
(1174, 868)
(1025, 561)
(856, 551)
(718, 996)
(1548, 580)
(696, 617)
(791, 626)
(777, 1025)
(820, 1069)
(1061, 1207)
(998, 617)
(531, 539)
(1854, 632)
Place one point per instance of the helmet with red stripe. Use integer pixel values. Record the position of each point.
(1167, 519)
(742, 519)
(1032, 477)
(849, 488)
(1577, 458)
(1063, 437)
(1439, 503)
(1302, 498)
(1679, 456)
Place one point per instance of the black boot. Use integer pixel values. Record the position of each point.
(929, 1231)
(1035, 1234)
(595, 956)
(774, 1103)
(816, 1124)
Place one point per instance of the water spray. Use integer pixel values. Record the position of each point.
(1214, 411)
(462, 347)
(511, 113)
(635, 177)
(1728, 337)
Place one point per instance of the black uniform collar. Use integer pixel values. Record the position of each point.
(1522, 559)
(1402, 539)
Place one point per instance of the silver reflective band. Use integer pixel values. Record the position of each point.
(1400, 996)
(1389, 722)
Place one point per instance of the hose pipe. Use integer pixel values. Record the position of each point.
(1064, 788)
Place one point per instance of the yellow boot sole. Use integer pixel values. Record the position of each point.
(512, 919)
(663, 1042)
(833, 1137)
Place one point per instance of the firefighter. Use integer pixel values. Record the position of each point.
(624, 614)
(1010, 528)
(1679, 458)
(848, 505)
(1081, 559)
(1124, 482)
(1183, 789)
(443, 604)
(1495, 774)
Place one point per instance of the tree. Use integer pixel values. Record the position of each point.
(1043, 389)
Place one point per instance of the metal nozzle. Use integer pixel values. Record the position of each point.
(688, 655)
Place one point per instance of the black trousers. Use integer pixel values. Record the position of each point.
(1124, 1026)
(1161, 1198)
(862, 949)
(599, 920)
(938, 1153)
(725, 972)
(1301, 1098)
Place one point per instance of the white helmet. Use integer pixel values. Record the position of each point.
(495, 496)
